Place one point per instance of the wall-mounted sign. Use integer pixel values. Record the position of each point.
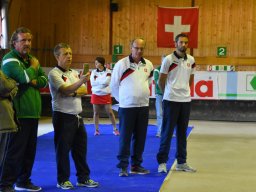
(118, 49)
(221, 51)
(221, 68)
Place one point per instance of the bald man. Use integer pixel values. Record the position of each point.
(130, 87)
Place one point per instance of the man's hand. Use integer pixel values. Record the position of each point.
(33, 82)
(161, 81)
(14, 92)
(85, 77)
(34, 63)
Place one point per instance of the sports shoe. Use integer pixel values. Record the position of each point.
(139, 170)
(185, 167)
(7, 189)
(162, 168)
(97, 132)
(28, 186)
(123, 172)
(65, 185)
(87, 183)
(116, 132)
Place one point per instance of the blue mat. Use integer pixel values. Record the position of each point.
(102, 151)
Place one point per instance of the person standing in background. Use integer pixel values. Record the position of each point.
(176, 76)
(158, 103)
(101, 97)
(8, 121)
(130, 87)
(66, 89)
(25, 69)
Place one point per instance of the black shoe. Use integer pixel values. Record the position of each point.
(27, 187)
(7, 189)
(123, 172)
(139, 170)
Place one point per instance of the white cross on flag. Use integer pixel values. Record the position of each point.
(172, 21)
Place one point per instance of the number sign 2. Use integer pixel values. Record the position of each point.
(221, 51)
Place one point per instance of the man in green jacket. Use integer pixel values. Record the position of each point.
(25, 69)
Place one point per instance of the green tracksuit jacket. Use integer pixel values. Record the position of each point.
(27, 102)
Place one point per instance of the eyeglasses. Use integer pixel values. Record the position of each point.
(138, 48)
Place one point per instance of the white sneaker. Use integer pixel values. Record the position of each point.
(185, 167)
(162, 168)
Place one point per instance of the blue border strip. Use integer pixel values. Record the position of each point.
(232, 84)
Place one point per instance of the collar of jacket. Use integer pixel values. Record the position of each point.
(62, 69)
(104, 69)
(179, 57)
(132, 60)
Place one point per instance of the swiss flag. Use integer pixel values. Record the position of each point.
(172, 21)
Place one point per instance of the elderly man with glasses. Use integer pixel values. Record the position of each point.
(130, 87)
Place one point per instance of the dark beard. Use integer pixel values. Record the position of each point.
(182, 49)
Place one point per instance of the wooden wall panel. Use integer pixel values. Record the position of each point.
(85, 25)
(229, 23)
(139, 19)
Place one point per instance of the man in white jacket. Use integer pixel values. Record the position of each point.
(130, 87)
(176, 77)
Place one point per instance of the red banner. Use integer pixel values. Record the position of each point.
(172, 21)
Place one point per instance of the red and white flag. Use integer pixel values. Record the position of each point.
(172, 21)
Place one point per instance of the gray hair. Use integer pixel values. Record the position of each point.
(57, 48)
(14, 36)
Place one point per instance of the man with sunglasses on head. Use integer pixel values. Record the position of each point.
(130, 87)
(25, 69)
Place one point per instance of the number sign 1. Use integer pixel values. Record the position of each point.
(118, 49)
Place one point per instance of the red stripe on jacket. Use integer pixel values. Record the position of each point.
(127, 73)
(151, 74)
(172, 66)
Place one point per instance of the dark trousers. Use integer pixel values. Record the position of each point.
(20, 154)
(175, 114)
(3, 144)
(70, 135)
(133, 123)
